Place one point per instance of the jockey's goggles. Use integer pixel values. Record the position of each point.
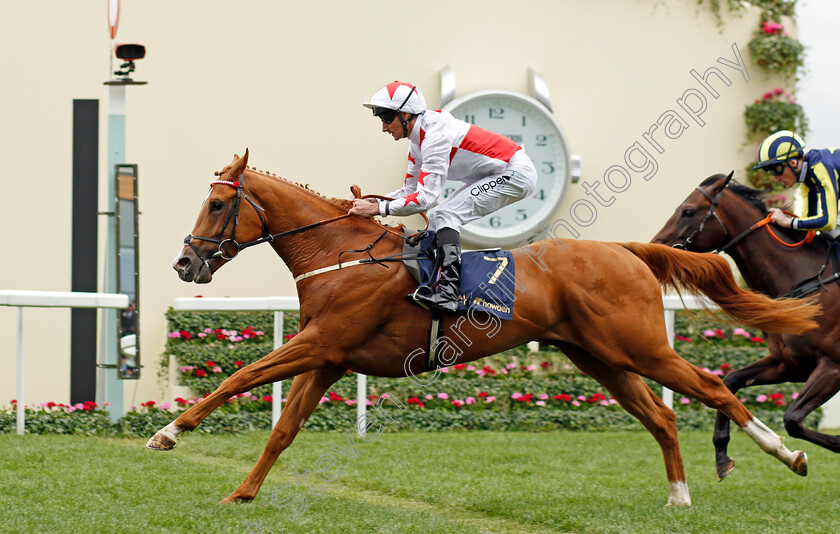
(777, 170)
(386, 115)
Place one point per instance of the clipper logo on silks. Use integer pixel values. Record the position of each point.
(483, 188)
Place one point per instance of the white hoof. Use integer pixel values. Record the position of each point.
(165, 438)
(679, 494)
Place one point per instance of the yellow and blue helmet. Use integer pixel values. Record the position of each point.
(778, 147)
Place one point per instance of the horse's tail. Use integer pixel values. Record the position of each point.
(711, 275)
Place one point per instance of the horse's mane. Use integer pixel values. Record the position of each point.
(342, 204)
(753, 196)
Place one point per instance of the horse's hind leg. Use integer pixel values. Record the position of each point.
(636, 397)
(823, 383)
(307, 390)
(667, 368)
(767, 370)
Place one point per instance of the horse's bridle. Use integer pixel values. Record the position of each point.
(233, 215)
(713, 203)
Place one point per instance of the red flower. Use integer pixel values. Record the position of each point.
(459, 367)
(483, 394)
(210, 364)
(335, 396)
(185, 334)
(598, 397)
(238, 363)
(50, 405)
(287, 337)
(757, 339)
(415, 400)
(148, 404)
(545, 365)
(528, 397)
(180, 400)
(776, 396)
(90, 405)
(268, 398)
(725, 366)
(487, 369)
(200, 373)
(563, 397)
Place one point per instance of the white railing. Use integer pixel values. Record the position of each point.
(673, 303)
(283, 304)
(49, 299)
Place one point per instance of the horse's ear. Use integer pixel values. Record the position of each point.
(728, 178)
(238, 166)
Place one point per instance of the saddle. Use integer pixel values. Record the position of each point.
(488, 276)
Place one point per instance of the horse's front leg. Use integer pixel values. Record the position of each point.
(767, 370)
(307, 390)
(298, 356)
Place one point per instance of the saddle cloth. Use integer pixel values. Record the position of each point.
(488, 277)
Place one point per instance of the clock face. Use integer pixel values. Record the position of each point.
(530, 124)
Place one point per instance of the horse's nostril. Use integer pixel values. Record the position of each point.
(182, 264)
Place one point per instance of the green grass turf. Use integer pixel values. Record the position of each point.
(449, 482)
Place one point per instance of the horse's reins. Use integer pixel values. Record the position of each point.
(710, 212)
(266, 237)
(765, 222)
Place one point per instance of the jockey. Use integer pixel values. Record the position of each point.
(783, 155)
(495, 172)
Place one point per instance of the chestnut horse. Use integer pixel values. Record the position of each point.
(600, 303)
(774, 261)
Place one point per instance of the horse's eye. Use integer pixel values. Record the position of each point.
(216, 205)
(688, 212)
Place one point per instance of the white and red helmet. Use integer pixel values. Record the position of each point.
(398, 96)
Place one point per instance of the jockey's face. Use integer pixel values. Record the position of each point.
(789, 176)
(395, 127)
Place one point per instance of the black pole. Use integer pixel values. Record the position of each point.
(84, 248)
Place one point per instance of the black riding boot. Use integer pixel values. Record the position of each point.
(449, 253)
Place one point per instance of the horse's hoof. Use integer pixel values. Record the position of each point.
(160, 442)
(725, 468)
(800, 464)
(233, 498)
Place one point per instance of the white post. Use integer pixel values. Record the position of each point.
(21, 414)
(277, 387)
(667, 394)
(361, 402)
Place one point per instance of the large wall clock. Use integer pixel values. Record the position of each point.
(529, 122)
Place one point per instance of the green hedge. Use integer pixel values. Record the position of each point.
(516, 389)
(340, 418)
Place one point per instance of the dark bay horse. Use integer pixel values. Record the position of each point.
(599, 302)
(773, 261)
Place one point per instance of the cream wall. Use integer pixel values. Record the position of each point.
(286, 80)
